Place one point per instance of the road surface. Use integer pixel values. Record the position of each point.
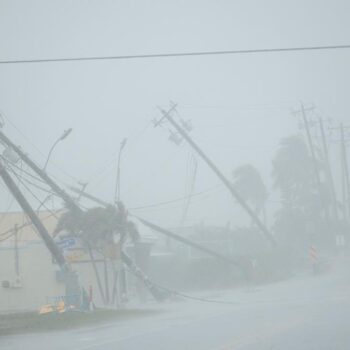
(305, 313)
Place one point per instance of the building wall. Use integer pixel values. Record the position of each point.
(38, 274)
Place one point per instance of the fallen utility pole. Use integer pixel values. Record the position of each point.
(169, 233)
(48, 240)
(226, 182)
(188, 242)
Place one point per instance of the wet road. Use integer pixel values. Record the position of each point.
(307, 312)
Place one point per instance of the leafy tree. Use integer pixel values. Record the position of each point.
(303, 200)
(248, 182)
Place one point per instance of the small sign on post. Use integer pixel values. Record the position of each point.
(313, 255)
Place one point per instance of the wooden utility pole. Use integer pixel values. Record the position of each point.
(48, 240)
(71, 205)
(226, 182)
(155, 291)
(97, 275)
(317, 177)
(189, 243)
(173, 235)
(70, 277)
(329, 170)
(344, 170)
(311, 148)
(59, 191)
(16, 250)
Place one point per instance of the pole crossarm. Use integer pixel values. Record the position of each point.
(220, 175)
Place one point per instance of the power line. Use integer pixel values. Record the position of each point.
(177, 54)
(30, 223)
(38, 150)
(27, 173)
(136, 137)
(191, 297)
(12, 200)
(33, 194)
(178, 199)
(22, 177)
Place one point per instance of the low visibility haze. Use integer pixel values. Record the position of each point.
(214, 136)
(239, 105)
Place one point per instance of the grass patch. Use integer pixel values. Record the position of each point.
(30, 322)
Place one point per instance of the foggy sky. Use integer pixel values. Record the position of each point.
(239, 105)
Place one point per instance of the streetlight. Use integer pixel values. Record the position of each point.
(117, 186)
(61, 138)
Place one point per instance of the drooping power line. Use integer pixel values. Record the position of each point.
(177, 54)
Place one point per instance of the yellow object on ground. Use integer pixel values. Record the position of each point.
(61, 307)
(46, 309)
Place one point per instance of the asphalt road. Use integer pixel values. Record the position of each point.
(305, 313)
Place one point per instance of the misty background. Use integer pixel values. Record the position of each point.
(240, 105)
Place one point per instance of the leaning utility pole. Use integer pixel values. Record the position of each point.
(71, 205)
(226, 182)
(70, 277)
(190, 243)
(48, 240)
(59, 191)
(311, 146)
(170, 234)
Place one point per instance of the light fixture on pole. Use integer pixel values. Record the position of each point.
(61, 138)
(117, 186)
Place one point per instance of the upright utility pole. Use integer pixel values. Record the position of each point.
(226, 182)
(16, 251)
(313, 159)
(329, 170)
(345, 169)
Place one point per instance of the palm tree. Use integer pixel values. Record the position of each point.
(97, 226)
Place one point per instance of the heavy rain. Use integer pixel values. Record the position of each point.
(174, 175)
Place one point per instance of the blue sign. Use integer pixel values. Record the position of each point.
(67, 243)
